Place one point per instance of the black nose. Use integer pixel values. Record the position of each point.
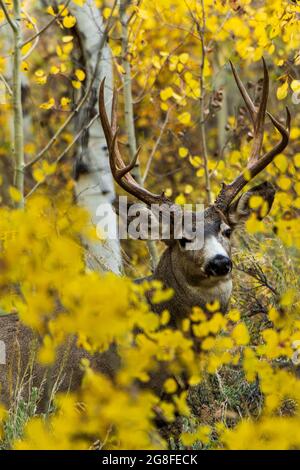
(219, 266)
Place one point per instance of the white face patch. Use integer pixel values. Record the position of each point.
(213, 248)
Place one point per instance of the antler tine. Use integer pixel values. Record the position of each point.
(257, 116)
(260, 164)
(114, 113)
(256, 164)
(120, 171)
(248, 101)
(285, 136)
(260, 117)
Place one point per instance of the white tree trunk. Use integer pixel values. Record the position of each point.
(94, 181)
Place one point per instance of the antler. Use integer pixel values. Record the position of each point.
(120, 171)
(256, 162)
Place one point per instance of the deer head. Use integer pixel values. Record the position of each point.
(204, 270)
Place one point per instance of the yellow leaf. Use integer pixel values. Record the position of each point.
(253, 225)
(183, 152)
(282, 91)
(184, 118)
(38, 175)
(208, 343)
(258, 54)
(181, 200)
(156, 62)
(184, 58)
(297, 188)
(120, 68)
(64, 102)
(234, 315)
(288, 298)
(195, 161)
(284, 183)
(63, 11)
(106, 13)
(297, 160)
(63, 68)
(188, 189)
(67, 39)
(256, 202)
(49, 169)
(51, 11)
(69, 21)
(76, 84)
(39, 73)
(241, 335)
(67, 48)
(49, 105)
(54, 70)
(295, 86)
(42, 80)
(15, 194)
(80, 74)
(271, 49)
(170, 386)
(79, 2)
(24, 66)
(166, 93)
(26, 48)
(281, 163)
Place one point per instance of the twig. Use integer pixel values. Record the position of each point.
(41, 31)
(52, 141)
(36, 40)
(64, 152)
(6, 84)
(149, 163)
(129, 114)
(12, 23)
(201, 32)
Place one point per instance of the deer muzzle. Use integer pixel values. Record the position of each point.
(219, 266)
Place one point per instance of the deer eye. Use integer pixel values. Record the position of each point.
(227, 233)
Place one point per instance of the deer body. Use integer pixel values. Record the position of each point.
(197, 277)
(22, 371)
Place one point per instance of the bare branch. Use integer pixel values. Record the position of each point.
(83, 100)
(10, 21)
(129, 115)
(36, 39)
(201, 32)
(41, 31)
(3, 79)
(65, 152)
(150, 159)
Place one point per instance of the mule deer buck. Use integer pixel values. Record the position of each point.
(197, 276)
(202, 276)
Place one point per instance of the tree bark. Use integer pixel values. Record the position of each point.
(94, 185)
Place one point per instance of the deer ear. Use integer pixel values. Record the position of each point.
(240, 210)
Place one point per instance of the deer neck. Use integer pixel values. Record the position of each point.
(186, 294)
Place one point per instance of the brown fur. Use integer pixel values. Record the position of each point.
(180, 269)
(22, 370)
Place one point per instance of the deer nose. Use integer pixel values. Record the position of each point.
(219, 266)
